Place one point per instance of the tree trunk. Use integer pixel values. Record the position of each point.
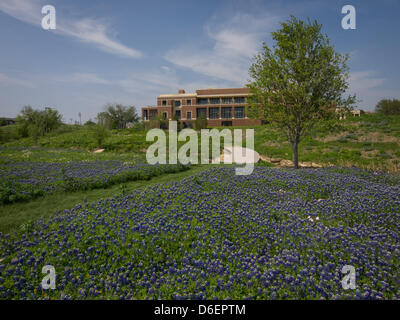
(295, 154)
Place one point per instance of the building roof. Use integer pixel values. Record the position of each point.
(178, 95)
(225, 91)
(228, 92)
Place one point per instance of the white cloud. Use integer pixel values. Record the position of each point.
(369, 88)
(87, 30)
(78, 77)
(9, 80)
(362, 81)
(234, 42)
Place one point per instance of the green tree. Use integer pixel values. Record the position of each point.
(201, 123)
(299, 81)
(37, 123)
(388, 107)
(100, 133)
(117, 116)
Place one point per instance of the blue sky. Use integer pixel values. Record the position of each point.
(131, 51)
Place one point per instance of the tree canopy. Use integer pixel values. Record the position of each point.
(38, 122)
(117, 116)
(388, 107)
(298, 81)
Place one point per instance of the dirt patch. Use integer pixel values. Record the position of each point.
(274, 143)
(377, 137)
(333, 137)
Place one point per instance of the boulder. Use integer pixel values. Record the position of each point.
(265, 158)
(276, 160)
(238, 155)
(286, 163)
(316, 165)
(305, 164)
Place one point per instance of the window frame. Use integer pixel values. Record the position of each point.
(223, 113)
(243, 112)
(212, 114)
(197, 112)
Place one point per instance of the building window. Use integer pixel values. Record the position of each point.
(226, 123)
(239, 112)
(201, 113)
(202, 101)
(189, 115)
(177, 103)
(226, 100)
(226, 113)
(164, 102)
(213, 113)
(153, 114)
(189, 102)
(164, 116)
(144, 114)
(239, 100)
(178, 114)
(215, 100)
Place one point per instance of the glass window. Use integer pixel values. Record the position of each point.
(239, 100)
(226, 100)
(201, 113)
(153, 114)
(202, 101)
(189, 115)
(189, 102)
(164, 102)
(215, 100)
(213, 113)
(178, 114)
(239, 112)
(177, 103)
(226, 113)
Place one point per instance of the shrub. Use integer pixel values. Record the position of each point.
(388, 107)
(201, 123)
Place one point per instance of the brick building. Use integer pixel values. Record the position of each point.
(221, 107)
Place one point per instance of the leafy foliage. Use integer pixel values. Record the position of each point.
(36, 123)
(298, 82)
(117, 116)
(388, 107)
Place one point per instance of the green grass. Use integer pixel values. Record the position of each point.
(81, 137)
(18, 215)
(369, 142)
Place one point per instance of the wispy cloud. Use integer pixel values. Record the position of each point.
(368, 87)
(79, 77)
(231, 45)
(88, 30)
(10, 80)
(364, 80)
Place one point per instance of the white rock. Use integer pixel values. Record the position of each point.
(238, 155)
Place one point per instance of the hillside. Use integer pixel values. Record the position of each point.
(371, 142)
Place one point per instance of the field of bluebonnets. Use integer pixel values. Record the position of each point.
(274, 234)
(25, 180)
